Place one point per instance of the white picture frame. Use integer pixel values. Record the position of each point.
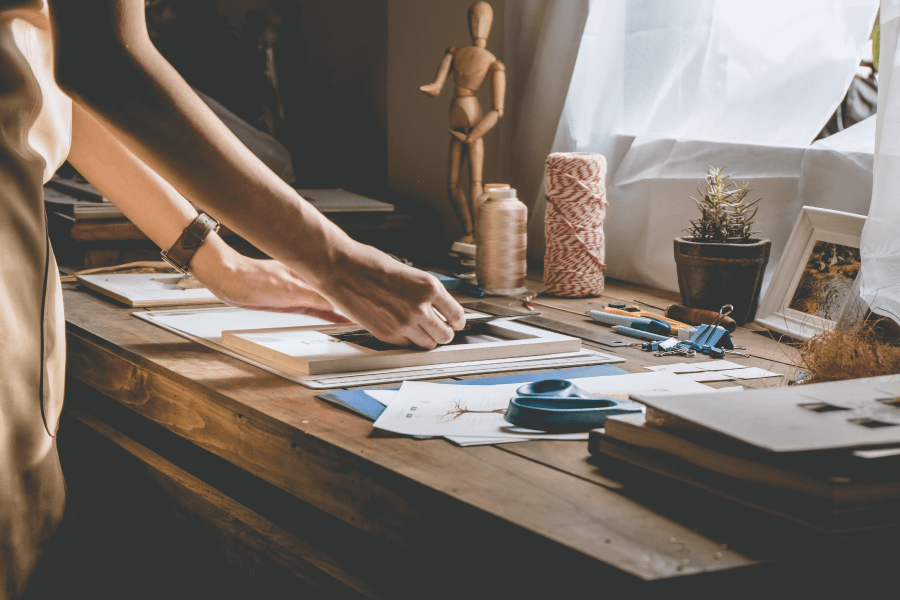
(313, 350)
(801, 262)
(146, 290)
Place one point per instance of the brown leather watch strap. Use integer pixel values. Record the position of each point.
(180, 254)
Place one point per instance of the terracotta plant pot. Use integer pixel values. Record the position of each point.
(711, 275)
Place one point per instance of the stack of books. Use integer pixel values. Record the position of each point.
(86, 229)
(64, 204)
(78, 198)
(826, 455)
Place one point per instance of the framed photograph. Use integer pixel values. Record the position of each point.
(815, 285)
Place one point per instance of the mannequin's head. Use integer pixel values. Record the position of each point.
(480, 18)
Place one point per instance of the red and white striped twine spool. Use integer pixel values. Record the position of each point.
(574, 262)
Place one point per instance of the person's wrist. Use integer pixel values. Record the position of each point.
(214, 262)
(331, 266)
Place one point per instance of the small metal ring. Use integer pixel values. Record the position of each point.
(724, 312)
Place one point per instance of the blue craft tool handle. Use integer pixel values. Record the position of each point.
(652, 325)
(640, 335)
(471, 290)
(611, 319)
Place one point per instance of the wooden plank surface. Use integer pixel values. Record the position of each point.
(395, 488)
(250, 543)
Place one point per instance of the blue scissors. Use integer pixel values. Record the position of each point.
(558, 405)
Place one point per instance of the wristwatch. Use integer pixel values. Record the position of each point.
(182, 251)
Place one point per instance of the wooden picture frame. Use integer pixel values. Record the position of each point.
(314, 350)
(815, 285)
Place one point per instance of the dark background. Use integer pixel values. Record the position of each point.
(331, 58)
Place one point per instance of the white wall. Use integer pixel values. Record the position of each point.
(418, 132)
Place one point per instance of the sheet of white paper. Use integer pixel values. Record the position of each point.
(382, 396)
(731, 388)
(706, 376)
(749, 373)
(475, 441)
(209, 323)
(718, 365)
(385, 397)
(453, 410)
(675, 368)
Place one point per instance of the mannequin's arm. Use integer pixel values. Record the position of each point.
(106, 62)
(498, 95)
(434, 88)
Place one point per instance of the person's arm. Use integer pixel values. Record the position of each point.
(106, 62)
(162, 213)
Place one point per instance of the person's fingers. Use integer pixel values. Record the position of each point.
(450, 308)
(422, 338)
(437, 329)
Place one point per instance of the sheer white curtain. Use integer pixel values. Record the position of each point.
(880, 249)
(541, 39)
(664, 88)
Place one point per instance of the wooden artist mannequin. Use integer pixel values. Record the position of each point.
(471, 65)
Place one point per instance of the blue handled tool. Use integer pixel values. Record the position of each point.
(639, 335)
(558, 406)
(614, 319)
(452, 283)
(648, 324)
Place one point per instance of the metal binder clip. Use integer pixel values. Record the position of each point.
(713, 339)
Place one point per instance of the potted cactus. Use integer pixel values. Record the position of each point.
(720, 262)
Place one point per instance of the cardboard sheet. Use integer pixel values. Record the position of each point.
(846, 414)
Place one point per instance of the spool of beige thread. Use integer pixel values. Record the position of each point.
(483, 196)
(502, 239)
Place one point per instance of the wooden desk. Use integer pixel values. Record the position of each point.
(183, 454)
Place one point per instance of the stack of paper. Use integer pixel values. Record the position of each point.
(206, 325)
(824, 455)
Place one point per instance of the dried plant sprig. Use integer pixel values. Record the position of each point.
(848, 354)
(724, 215)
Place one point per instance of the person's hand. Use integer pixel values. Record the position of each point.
(398, 304)
(261, 285)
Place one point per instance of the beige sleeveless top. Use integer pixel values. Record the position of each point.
(35, 143)
(35, 131)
